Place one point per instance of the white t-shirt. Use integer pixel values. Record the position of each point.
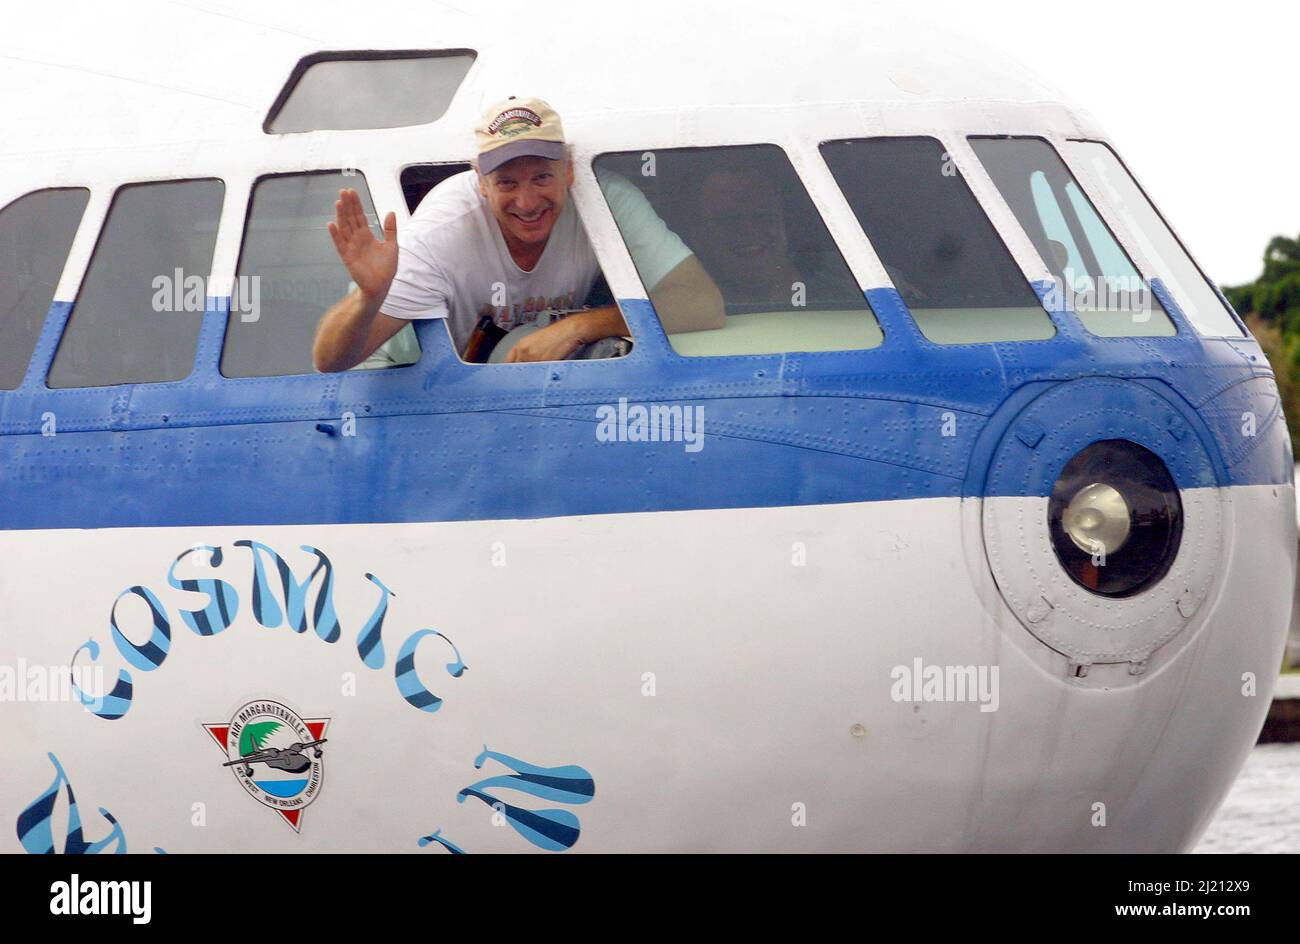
(454, 263)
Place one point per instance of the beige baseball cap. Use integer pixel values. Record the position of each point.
(518, 127)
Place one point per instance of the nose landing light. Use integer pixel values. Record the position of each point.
(1115, 518)
(1097, 519)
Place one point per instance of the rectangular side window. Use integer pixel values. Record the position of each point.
(289, 273)
(36, 233)
(738, 221)
(941, 251)
(1100, 283)
(137, 316)
(1192, 290)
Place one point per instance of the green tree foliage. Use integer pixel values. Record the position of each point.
(254, 736)
(1269, 336)
(1271, 305)
(1275, 295)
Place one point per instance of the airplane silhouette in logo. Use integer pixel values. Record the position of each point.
(290, 759)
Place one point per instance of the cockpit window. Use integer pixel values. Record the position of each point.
(137, 316)
(36, 233)
(289, 274)
(941, 252)
(750, 224)
(1098, 280)
(1194, 293)
(339, 91)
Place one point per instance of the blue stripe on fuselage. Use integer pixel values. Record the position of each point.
(444, 440)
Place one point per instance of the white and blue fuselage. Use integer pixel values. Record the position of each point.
(838, 625)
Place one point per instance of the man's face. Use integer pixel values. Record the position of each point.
(742, 229)
(526, 196)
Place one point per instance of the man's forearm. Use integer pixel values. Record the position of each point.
(596, 323)
(560, 339)
(686, 299)
(343, 333)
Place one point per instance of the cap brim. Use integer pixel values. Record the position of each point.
(551, 150)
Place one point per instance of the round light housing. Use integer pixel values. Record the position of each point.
(1115, 517)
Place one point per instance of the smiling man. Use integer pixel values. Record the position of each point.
(500, 245)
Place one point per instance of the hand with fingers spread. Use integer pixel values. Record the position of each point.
(354, 327)
(371, 262)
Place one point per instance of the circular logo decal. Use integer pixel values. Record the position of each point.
(276, 755)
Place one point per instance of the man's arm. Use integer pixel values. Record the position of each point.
(684, 296)
(352, 330)
(557, 341)
(354, 327)
(686, 299)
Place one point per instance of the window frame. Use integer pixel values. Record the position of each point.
(1118, 234)
(63, 271)
(240, 247)
(363, 55)
(1155, 208)
(654, 324)
(102, 222)
(575, 202)
(973, 187)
